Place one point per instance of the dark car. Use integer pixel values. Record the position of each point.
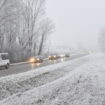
(53, 57)
(67, 55)
(36, 60)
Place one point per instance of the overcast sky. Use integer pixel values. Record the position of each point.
(78, 22)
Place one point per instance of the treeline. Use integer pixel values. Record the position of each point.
(24, 28)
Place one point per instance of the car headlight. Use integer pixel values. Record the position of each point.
(32, 60)
(49, 57)
(54, 56)
(38, 59)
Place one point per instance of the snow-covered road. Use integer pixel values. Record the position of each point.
(77, 82)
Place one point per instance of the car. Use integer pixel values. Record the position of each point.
(67, 55)
(64, 55)
(36, 59)
(53, 57)
(4, 60)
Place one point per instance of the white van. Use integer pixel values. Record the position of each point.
(4, 60)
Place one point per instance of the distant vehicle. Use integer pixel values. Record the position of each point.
(4, 60)
(53, 57)
(64, 55)
(67, 55)
(36, 59)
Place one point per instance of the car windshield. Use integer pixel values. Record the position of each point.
(4, 56)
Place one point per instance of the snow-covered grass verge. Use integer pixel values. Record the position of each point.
(83, 86)
(13, 84)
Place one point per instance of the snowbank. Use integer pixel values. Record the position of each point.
(82, 86)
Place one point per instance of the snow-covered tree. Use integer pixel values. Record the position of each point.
(23, 29)
(102, 40)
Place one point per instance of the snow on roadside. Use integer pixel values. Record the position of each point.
(82, 86)
(13, 84)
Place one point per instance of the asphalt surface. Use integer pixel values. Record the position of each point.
(14, 69)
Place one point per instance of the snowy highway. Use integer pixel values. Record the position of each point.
(19, 68)
(52, 52)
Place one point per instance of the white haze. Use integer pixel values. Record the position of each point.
(78, 22)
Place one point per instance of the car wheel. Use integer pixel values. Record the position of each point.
(7, 66)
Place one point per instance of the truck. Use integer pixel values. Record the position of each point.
(4, 60)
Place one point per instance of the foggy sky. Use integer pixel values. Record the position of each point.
(78, 22)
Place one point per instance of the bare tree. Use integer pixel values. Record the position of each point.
(102, 40)
(32, 15)
(46, 28)
(35, 11)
